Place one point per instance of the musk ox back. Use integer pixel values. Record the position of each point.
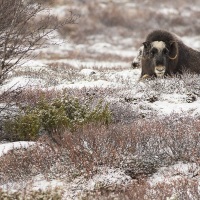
(165, 54)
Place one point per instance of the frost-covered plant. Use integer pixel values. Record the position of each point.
(58, 115)
(54, 194)
(69, 112)
(23, 127)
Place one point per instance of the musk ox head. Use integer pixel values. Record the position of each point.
(137, 60)
(157, 54)
(156, 58)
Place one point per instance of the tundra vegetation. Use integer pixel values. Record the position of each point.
(109, 141)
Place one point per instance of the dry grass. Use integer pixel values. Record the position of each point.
(137, 146)
(133, 143)
(179, 189)
(84, 55)
(146, 144)
(110, 20)
(139, 149)
(26, 194)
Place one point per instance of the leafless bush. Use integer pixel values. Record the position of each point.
(175, 189)
(176, 140)
(139, 148)
(20, 164)
(125, 21)
(47, 2)
(28, 194)
(30, 97)
(22, 32)
(25, 26)
(191, 83)
(187, 83)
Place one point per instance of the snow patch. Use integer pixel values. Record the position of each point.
(88, 72)
(174, 172)
(4, 148)
(169, 11)
(107, 177)
(85, 84)
(167, 108)
(21, 82)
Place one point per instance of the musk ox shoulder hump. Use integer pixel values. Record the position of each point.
(162, 35)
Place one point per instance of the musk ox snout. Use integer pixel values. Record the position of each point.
(160, 70)
(160, 65)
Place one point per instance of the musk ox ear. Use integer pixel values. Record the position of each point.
(146, 44)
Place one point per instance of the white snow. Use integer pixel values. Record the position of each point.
(166, 108)
(169, 11)
(91, 64)
(22, 82)
(87, 84)
(4, 148)
(108, 74)
(39, 182)
(35, 64)
(88, 72)
(174, 172)
(104, 178)
(109, 176)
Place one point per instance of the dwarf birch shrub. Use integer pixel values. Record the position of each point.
(56, 116)
(23, 127)
(54, 194)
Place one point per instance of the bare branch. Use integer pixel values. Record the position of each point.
(23, 29)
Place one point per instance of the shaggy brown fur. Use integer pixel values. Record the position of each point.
(178, 56)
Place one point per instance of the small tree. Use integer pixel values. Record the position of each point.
(24, 26)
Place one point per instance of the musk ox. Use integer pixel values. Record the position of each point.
(164, 54)
(137, 60)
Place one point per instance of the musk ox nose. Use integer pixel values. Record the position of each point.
(160, 68)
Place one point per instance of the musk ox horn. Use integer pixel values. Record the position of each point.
(146, 44)
(176, 50)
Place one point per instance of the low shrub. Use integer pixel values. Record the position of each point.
(53, 194)
(24, 127)
(49, 117)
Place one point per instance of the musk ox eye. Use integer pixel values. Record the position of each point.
(165, 51)
(153, 51)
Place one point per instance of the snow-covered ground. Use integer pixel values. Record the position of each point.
(6, 147)
(78, 73)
